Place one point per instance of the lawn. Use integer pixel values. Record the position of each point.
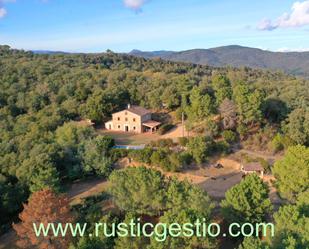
(128, 138)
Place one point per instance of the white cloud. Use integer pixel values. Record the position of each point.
(298, 17)
(266, 24)
(2, 12)
(134, 4)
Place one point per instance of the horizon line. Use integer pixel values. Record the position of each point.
(280, 50)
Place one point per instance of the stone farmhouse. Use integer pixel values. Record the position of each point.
(133, 119)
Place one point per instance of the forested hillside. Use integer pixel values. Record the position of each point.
(296, 63)
(41, 94)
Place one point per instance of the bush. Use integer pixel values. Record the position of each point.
(142, 156)
(185, 158)
(212, 128)
(175, 163)
(222, 147)
(167, 160)
(198, 148)
(229, 136)
(178, 114)
(242, 130)
(279, 143)
(116, 154)
(158, 156)
(161, 143)
(183, 141)
(261, 139)
(165, 128)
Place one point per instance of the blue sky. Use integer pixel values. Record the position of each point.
(123, 25)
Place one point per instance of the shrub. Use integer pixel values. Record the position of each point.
(167, 142)
(166, 160)
(165, 128)
(118, 153)
(198, 149)
(183, 141)
(276, 144)
(158, 157)
(142, 156)
(229, 136)
(178, 114)
(242, 130)
(175, 162)
(212, 128)
(185, 158)
(279, 143)
(222, 147)
(261, 139)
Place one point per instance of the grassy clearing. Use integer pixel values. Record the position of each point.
(128, 138)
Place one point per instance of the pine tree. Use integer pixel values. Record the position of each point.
(43, 207)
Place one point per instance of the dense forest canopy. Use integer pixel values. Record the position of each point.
(295, 63)
(41, 94)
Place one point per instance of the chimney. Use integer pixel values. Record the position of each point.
(129, 106)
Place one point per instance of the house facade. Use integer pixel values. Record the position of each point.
(133, 119)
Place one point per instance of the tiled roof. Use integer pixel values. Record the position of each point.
(151, 123)
(138, 110)
(253, 166)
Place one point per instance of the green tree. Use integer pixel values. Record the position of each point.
(70, 134)
(182, 242)
(212, 128)
(198, 148)
(104, 143)
(160, 158)
(222, 87)
(128, 242)
(297, 126)
(39, 172)
(183, 195)
(11, 198)
(247, 201)
(186, 203)
(292, 172)
(275, 110)
(253, 243)
(93, 214)
(201, 105)
(138, 190)
(249, 103)
(229, 136)
(98, 106)
(94, 158)
(291, 223)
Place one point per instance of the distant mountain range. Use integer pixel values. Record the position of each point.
(48, 52)
(296, 63)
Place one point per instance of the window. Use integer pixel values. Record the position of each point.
(134, 128)
(134, 119)
(118, 118)
(118, 126)
(126, 119)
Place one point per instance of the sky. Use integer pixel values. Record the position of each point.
(123, 25)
